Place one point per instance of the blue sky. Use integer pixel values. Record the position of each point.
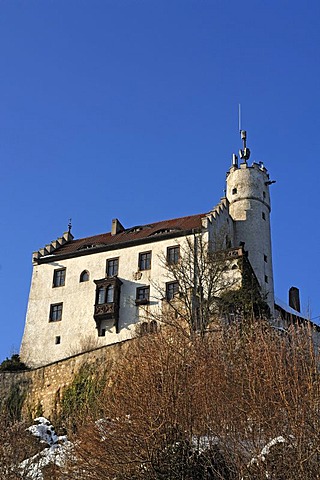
(128, 109)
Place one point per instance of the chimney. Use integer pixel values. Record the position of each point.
(116, 227)
(294, 298)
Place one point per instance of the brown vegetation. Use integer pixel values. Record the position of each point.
(205, 408)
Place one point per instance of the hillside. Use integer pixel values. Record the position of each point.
(241, 402)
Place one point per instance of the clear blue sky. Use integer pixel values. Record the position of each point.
(128, 109)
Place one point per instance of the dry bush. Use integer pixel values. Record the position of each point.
(15, 446)
(205, 408)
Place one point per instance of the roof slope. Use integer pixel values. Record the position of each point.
(138, 234)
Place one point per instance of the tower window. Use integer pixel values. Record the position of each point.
(55, 312)
(264, 194)
(59, 277)
(112, 267)
(266, 279)
(234, 191)
(58, 340)
(145, 261)
(263, 215)
(265, 258)
(84, 277)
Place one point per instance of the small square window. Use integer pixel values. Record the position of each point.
(55, 312)
(143, 295)
(266, 279)
(263, 215)
(173, 255)
(59, 277)
(112, 267)
(145, 261)
(234, 191)
(172, 288)
(58, 340)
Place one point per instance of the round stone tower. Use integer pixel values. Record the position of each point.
(249, 207)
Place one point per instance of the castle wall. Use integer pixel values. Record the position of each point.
(44, 384)
(77, 328)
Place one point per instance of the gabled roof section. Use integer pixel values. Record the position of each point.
(139, 234)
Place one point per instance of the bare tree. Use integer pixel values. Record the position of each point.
(240, 403)
(202, 284)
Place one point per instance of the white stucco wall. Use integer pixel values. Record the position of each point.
(77, 323)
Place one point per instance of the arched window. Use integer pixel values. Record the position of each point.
(153, 326)
(109, 295)
(84, 277)
(144, 328)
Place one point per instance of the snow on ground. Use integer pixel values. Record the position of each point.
(55, 453)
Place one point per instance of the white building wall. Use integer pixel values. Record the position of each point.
(78, 324)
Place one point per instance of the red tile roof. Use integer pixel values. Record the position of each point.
(138, 234)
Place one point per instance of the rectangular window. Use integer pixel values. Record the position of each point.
(173, 255)
(266, 279)
(58, 340)
(59, 277)
(145, 261)
(55, 312)
(112, 267)
(172, 288)
(265, 258)
(143, 295)
(263, 215)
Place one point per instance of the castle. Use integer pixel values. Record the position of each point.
(97, 287)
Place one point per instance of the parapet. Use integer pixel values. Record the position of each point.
(51, 247)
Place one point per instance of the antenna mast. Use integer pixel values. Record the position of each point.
(244, 153)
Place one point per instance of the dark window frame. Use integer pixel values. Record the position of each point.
(112, 267)
(84, 276)
(145, 260)
(143, 295)
(59, 277)
(173, 255)
(55, 314)
(172, 289)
